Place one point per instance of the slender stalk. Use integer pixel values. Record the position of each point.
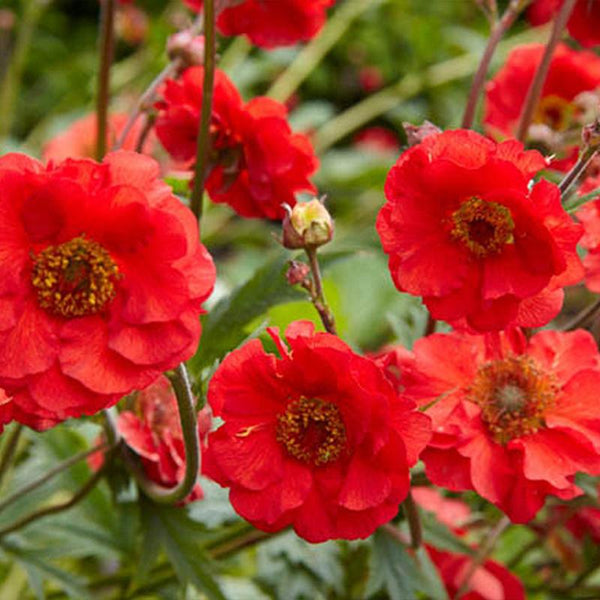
(203, 146)
(581, 318)
(56, 508)
(145, 132)
(8, 450)
(535, 89)
(317, 295)
(63, 466)
(482, 555)
(9, 87)
(581, 200)
(107, 42)
(312, 54)
(395, 533)
(187, 415)
(430, 326)
(414, 521)
(498, 30)
(585, 157)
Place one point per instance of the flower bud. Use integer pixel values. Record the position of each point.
(308, 224)
(297, 272)
(415, 134)
(187, 47)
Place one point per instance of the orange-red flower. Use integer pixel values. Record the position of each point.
(153, 430)
(316, 438)
(271, 23)
(256, 162)
(589, 216)
(569, 98)
(463, 229)
(79, 139)
(583, 24)
(512, 420)
(102, 279)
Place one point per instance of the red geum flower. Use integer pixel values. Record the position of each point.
(102, 280)
(256, 162)
(490, 581)
(316, 439)
(512, 420)
(79, 139)
(589, 216)
(271, 23)
(583, 24)
(463, 230)
(569, 98)
(153, 430)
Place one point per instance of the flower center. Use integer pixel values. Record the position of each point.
(312, 431)
(513, 395)
(555, 112)
(74, 279)
(483, 227)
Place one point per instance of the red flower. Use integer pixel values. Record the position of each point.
(257, 162)
(153, 431)
(513, 420)
(79, 140)
(316, 439)
(463, 230)
(589, 216)
(583, 24)
(490, 581)
(102, 281)
(567, 97)
(271, 23)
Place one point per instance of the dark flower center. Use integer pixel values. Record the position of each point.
(312, 431)
(555, 112)
(74, 279)
(513, 394)
(482, 227)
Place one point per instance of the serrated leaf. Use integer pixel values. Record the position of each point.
(440, 536)
(391, 569)
(180, 538)
(431, 583)
(223, 327)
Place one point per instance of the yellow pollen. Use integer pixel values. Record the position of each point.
(482, 227)
(74, 279)
(513, 395)
(555, 112)
(312, 431)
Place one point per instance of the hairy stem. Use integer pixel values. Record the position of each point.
(107, 42)
(585, 157)
(535, 89)
(498, 31)
(203, 146)
(187, 415)
(8, 449)
(317, 295)
(411, 512)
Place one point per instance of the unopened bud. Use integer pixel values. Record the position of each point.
(297, 272)
(591, 135)
(187, 47)
(308, 224)
(415, 134)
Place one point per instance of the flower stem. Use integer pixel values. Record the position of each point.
(414, 521)
(316, 293)
(56, 508)
(203, 146)
(187, 416)
(63, 466)
(578, 202)
(585, 157)
(482, 555)
(107, 42)
(581, 318)
(498, 30)
(535, 89)
(8, 449)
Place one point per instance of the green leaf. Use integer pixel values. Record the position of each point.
(440, 536)
(432, 585)
(223, 327)
(181, 539)
(392, 569)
